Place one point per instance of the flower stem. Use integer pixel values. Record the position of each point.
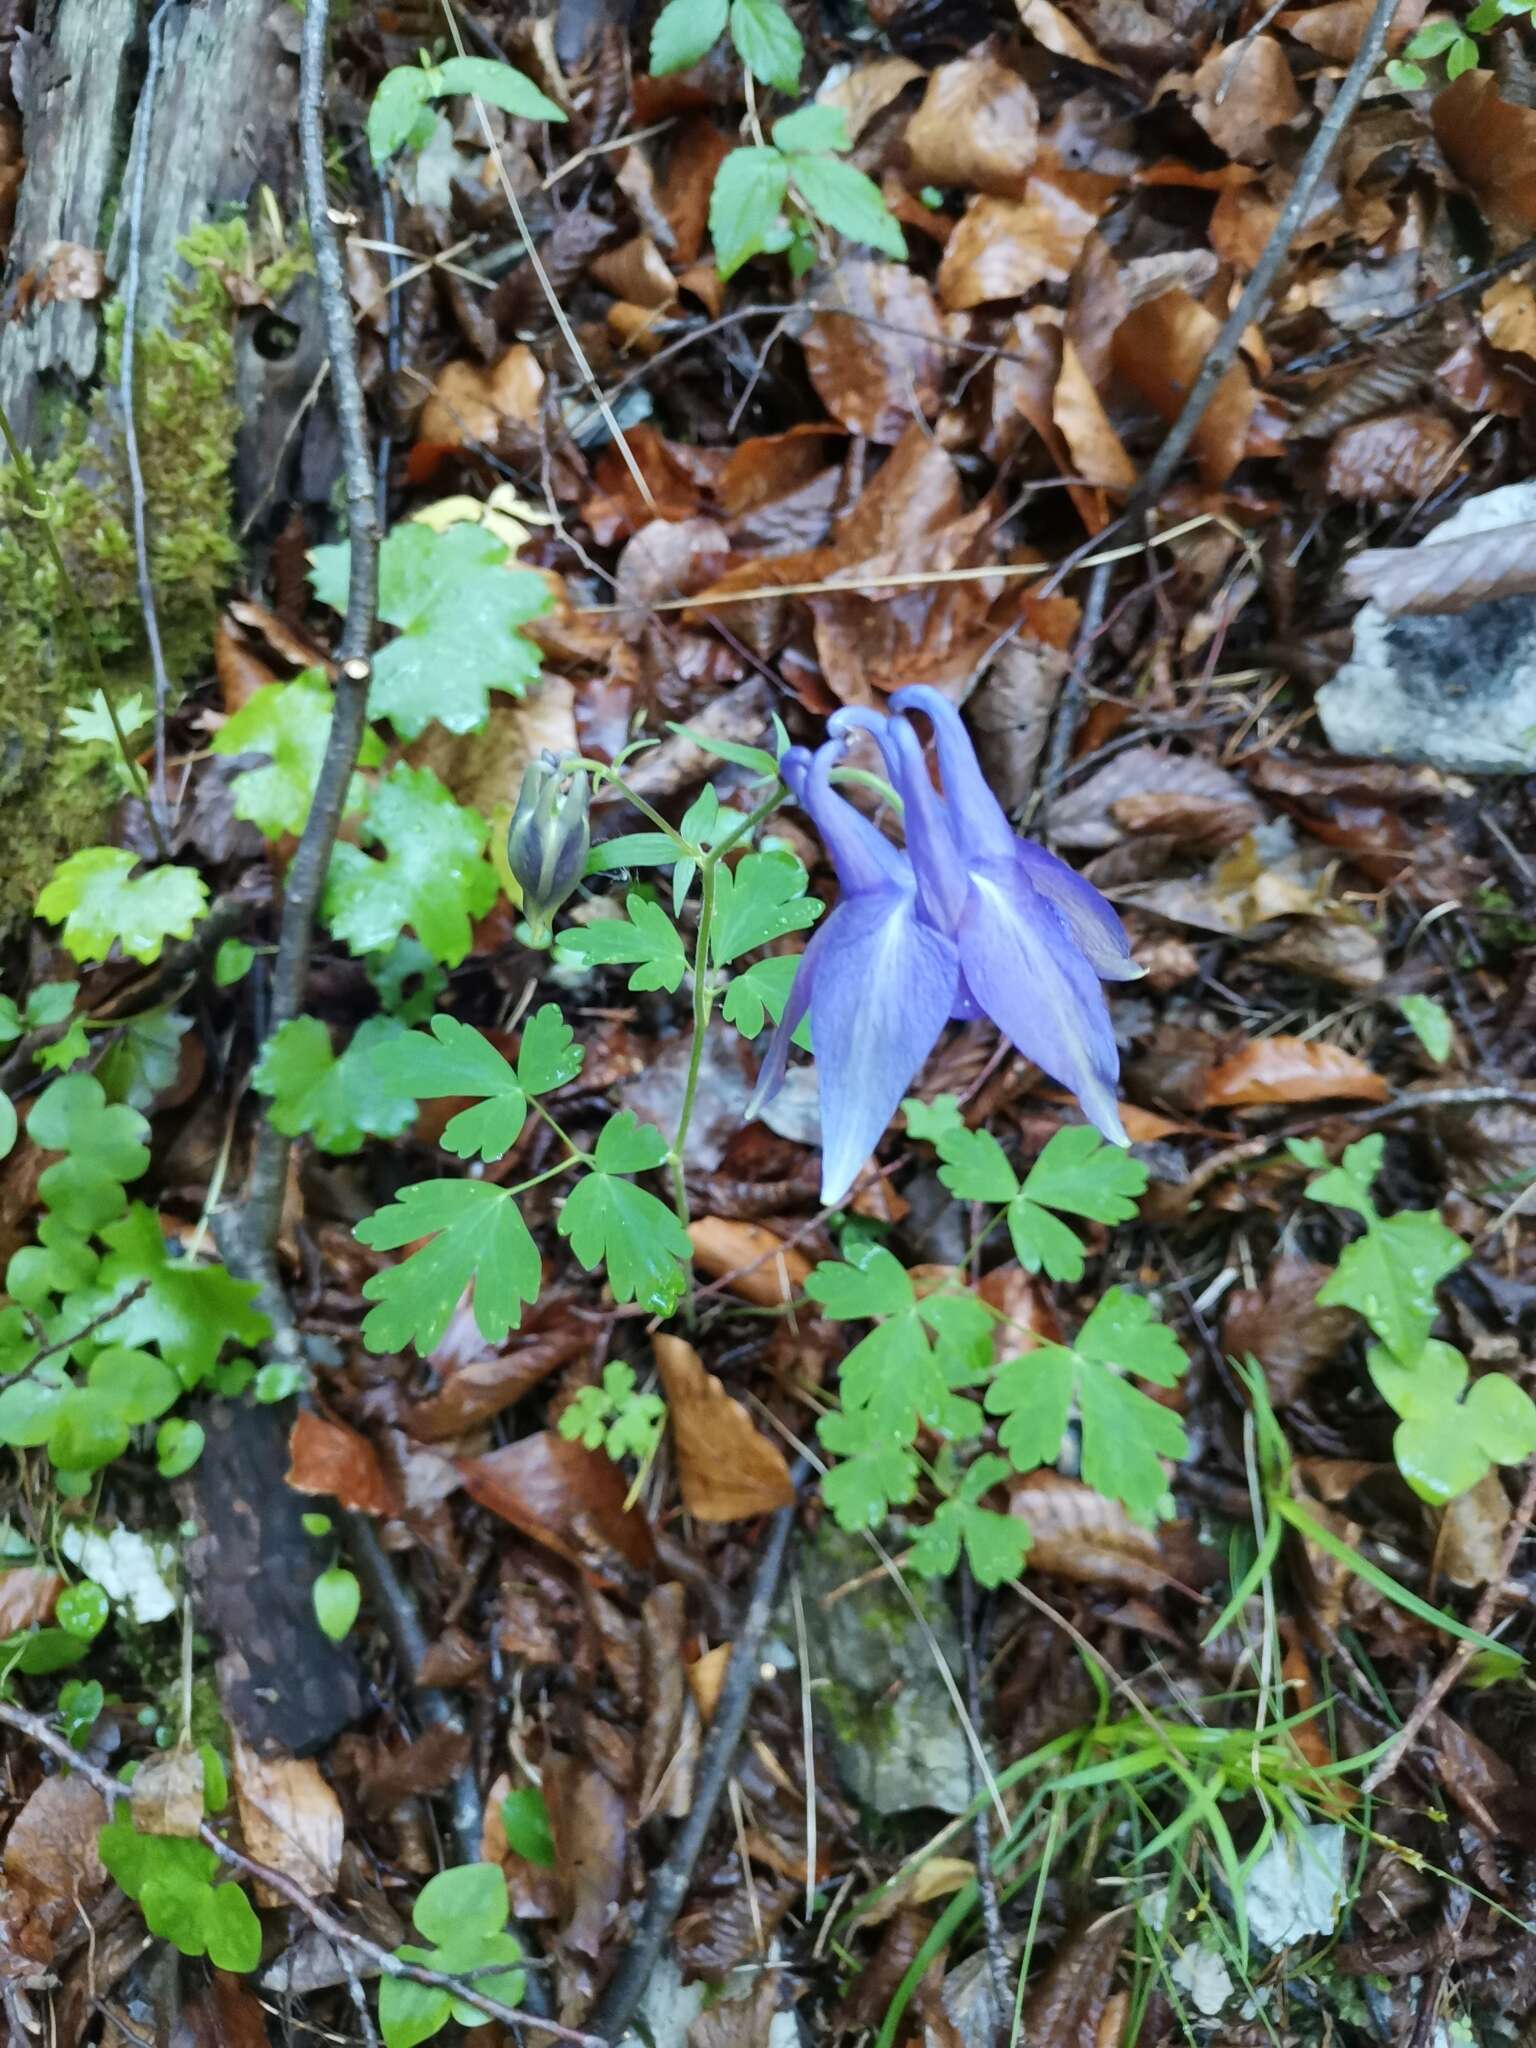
(703, 1003)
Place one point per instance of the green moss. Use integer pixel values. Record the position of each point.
(58, 796)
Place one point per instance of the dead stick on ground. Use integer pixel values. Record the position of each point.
(669, 1884)
(1462, 1655)
(36, 1730)
(1251, 303)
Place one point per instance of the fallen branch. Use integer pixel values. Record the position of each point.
(380, 1960)
(669, 1884)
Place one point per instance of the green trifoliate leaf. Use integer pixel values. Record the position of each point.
(746, 208)
(477, 1236)
(1347, 1185)
(647, 936)
(100, 902)
(458, 607)
(761, 899)
(1124, 1432)
(143, 1062)
(455, 1059)
(187, 1311)
(432, 874)
(759, 993)
(1450, 1433)
(501, 85)
(103, 1145)
(289, 723)
(767, 42)
(929, 1121)
(615, 1417)
(685, 30)
(975, 1166)
(877, 1470)
(337, 1100)
(610, 1222)
(995, 1544)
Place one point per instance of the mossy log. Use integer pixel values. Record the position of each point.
(220, 138)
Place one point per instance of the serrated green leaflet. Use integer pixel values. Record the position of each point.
(454, 1059)
(761, 899)
(337, 1099)
(611, 1222)
(745, 208)
(767, 42)
(101, 902)
(1077, 1172)
(1125, 1433)
(646, 936)
(188, 1311)
(759, 993)
(458, 607)
(476, 1236)
(431, 875)
(994, 1544)
(684, 31)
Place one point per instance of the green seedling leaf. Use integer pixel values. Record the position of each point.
(232, 962)
(178, 1446)
(83, 1610)
(759, 993)
(767, 42)
(610, 1222)
(432, 876)
(91, 724)
(144, 1061)
(525, 1818)
(646, 935)
(1389, 1276)
(1450, 1433)
(500, 85)
(336, 1100)
(458, 606)
(1125, 1434)
(187, 1312)
(100, 902)
(276, 1382)
(80, 1706)
(103, 1146)
(685, 30)
(337, 1598)
(763, 898)
(464, 1912)
(994, 1544)
(477, 1236)
(9, 1126)
(746, 211)
(171, 1878)
(289, 723)
(929, 1121)
(757, 759)
(615, 1417)
(1430, 1024)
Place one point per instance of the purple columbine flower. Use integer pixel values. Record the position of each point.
(971, 920)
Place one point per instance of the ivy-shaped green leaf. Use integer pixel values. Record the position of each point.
(431, 875)
(100, 902)
(104, 1146)
(1451, 1433)
(290, 723)
(188, 1311)
(458, 606)
(337, 1099)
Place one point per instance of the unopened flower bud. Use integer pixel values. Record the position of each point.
(549, 837)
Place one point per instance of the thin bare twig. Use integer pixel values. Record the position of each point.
(1451, 1671)
(381, 1960)
(981, 1825)
(669, 1883)
(137, 180)
(262, 1207)
(1361, 339)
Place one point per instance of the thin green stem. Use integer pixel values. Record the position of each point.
(703, 1003)
(551, 1172)
(746, 828)
(604, 773)
(37, 505)
(563, 1135)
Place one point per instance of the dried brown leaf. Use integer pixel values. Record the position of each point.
(28, 1596)
(1336, 29)
(1098, 455)
(1281, 1325)
(475, 1392)
(1086, 817)
(868, 90)
(1160, 350)
(289, 1816)
(562, 1495)
(1003, 248)
(669, 1726)
(240, 669)
(760, 1266)
(387, 1773)
(224, 2014)
(727, 1469)
(1009, 714)
(1065, 2008)
(1242, 93)
(1470, 1543)
(977, 128)
(1286, 1069)
(873, 379)
(586, 1818)
(1341, 949)
(51, 1850)
(637, 271)
(327, 1457)
(1391, 459)
(471, 404)
(1490, 143)
(1447, 575)
(1057, 32)
(1080, 1535)
(167, 1793)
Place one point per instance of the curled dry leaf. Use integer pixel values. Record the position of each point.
(753, 1260)
(289, 1816)
(167, 1793)
(977, 128)
(1286, 1069)
(727, 1469)
(475, 1392)
(1470, 1544)
(1003, 248)
(1490, 143)
(1282, 1326)
(1057, 32)
(1508, 316)
(587, 1820)
(1159, 350)
(868, 90)
(51, 1850)
(873, 379)
(1066, 2006)
(240, 669)
(28, 1596)
(1242, 93)
(1088, 818)
(471, 404)
(1449, 575)
(1081, 1535)
(1097, 452)
(1395, 458)
(636, 271)
(327, 1457)
(562, 1495)
(1336, 29)
(706, 1675)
